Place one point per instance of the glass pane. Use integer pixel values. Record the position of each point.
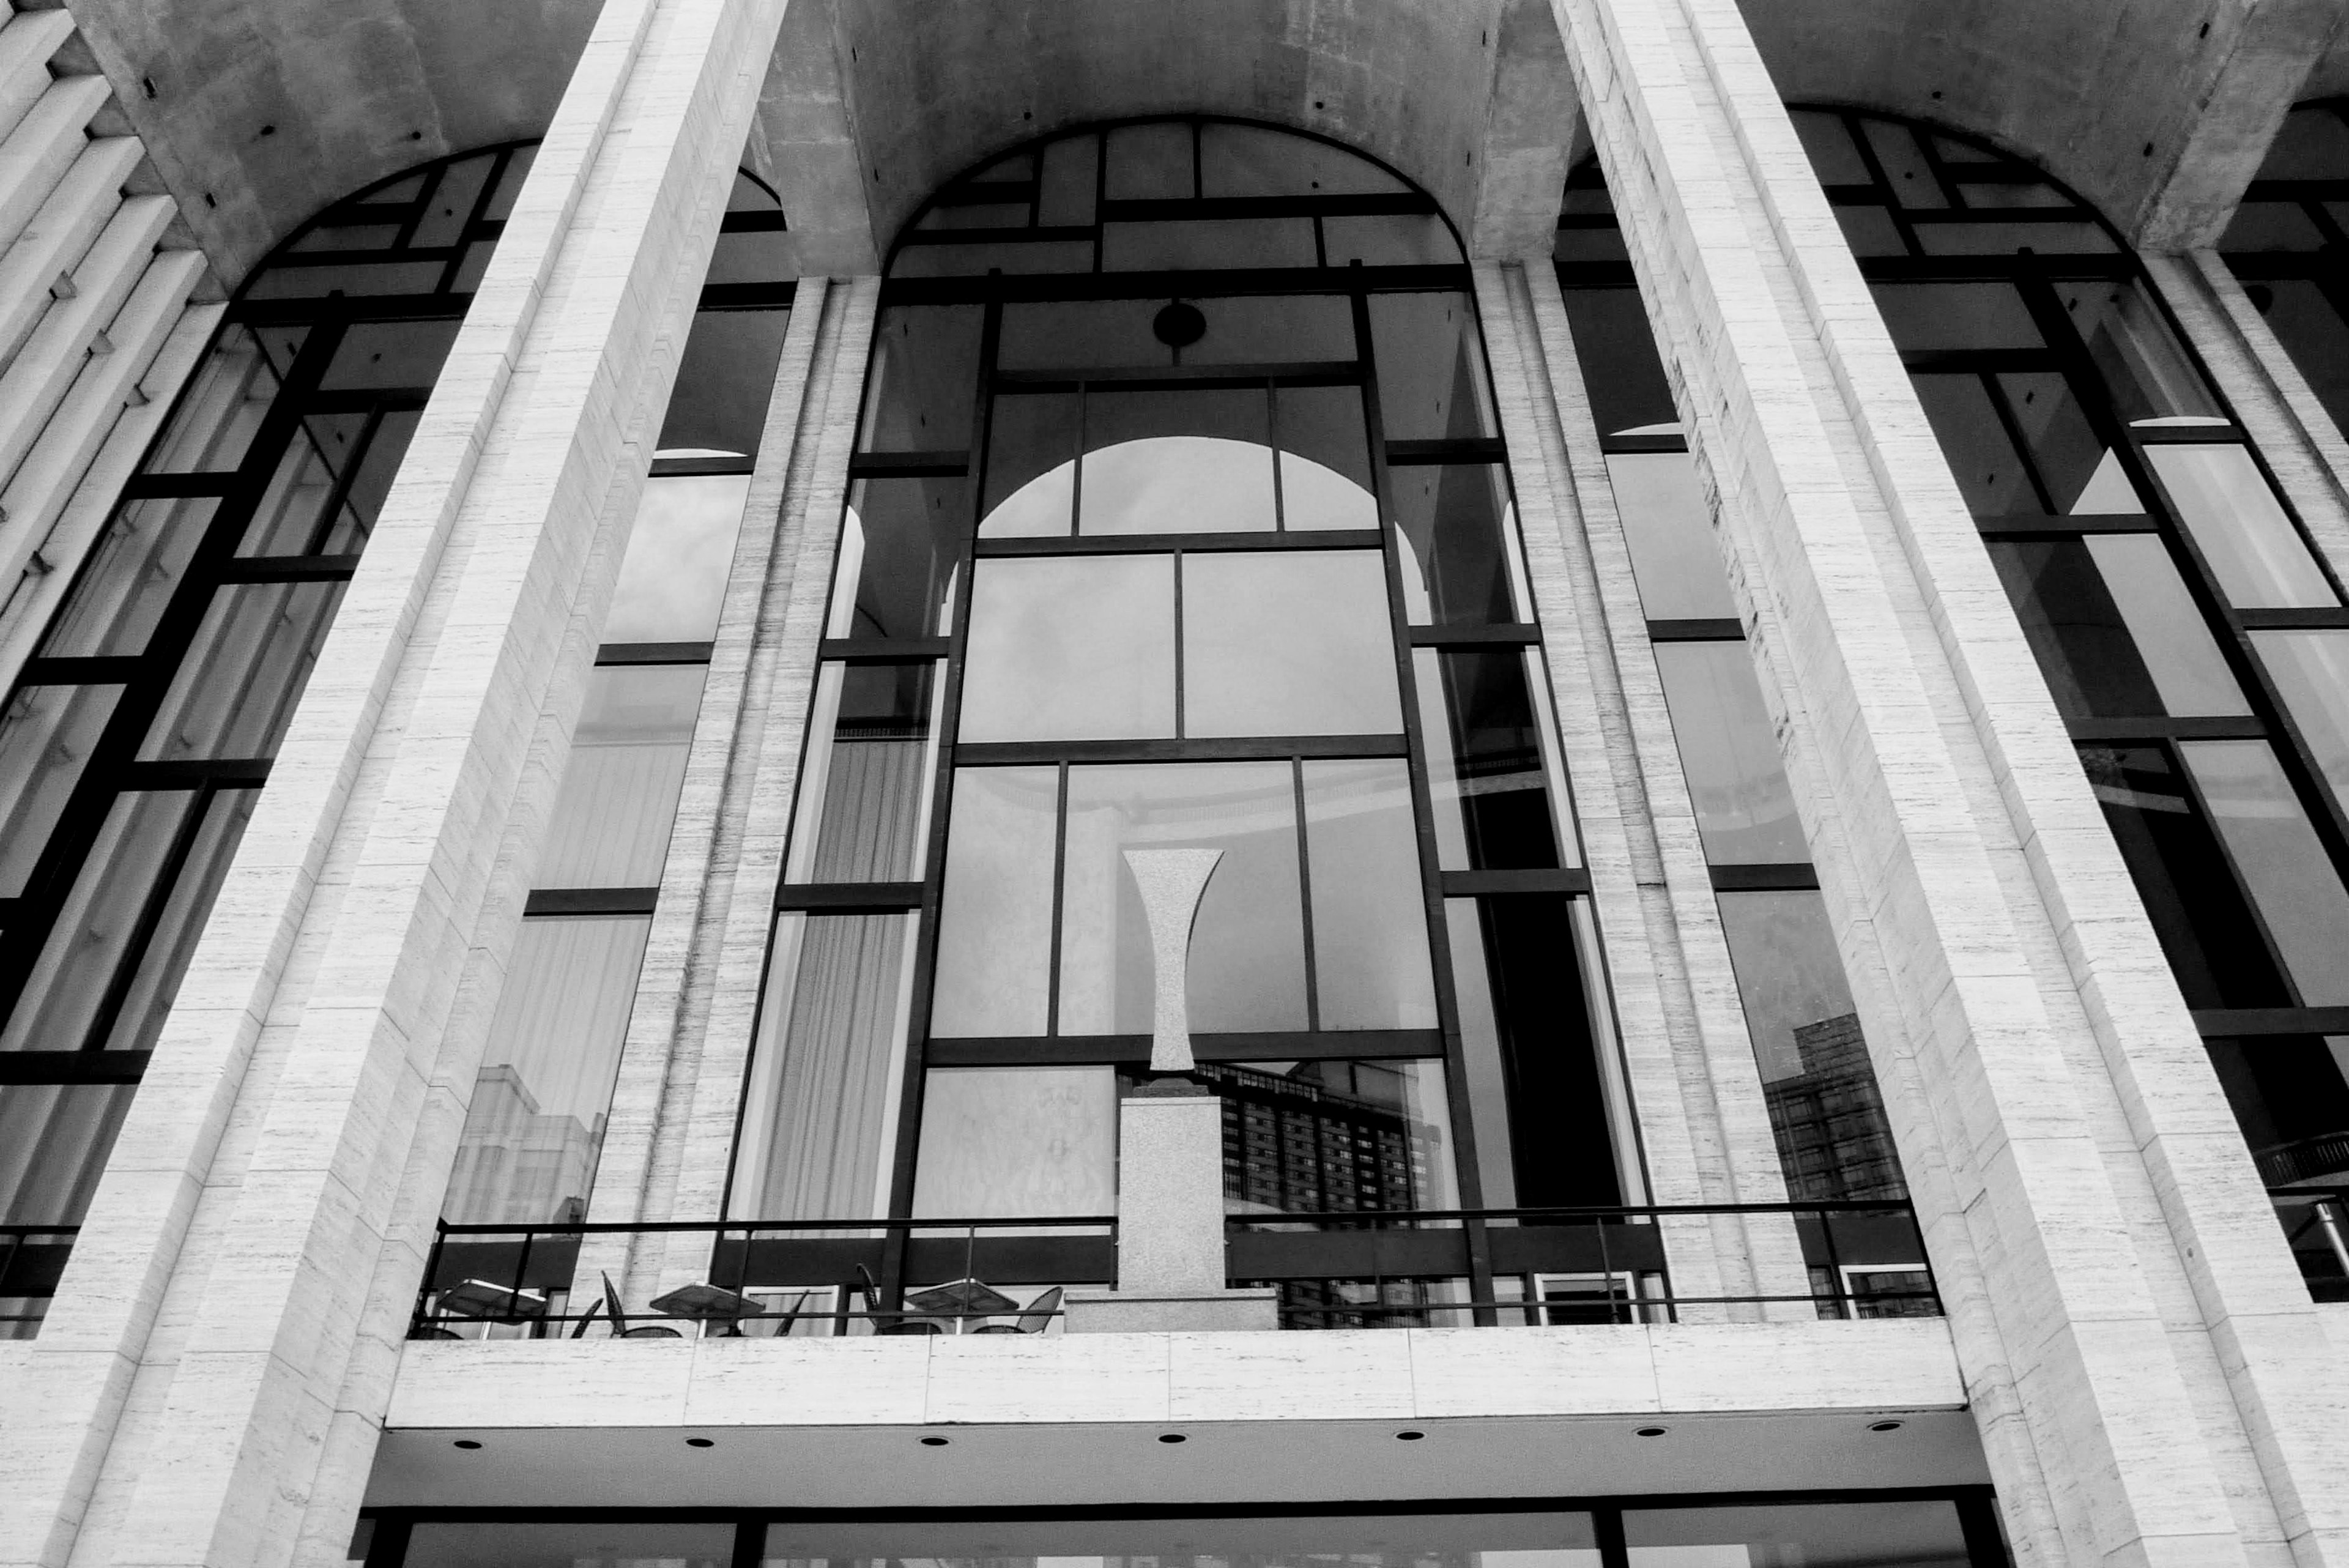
(1325, 459)
(898, 543)
(1870, 231)
(376, 355)
(1274, 329)
(1979, 448)
(1092, 334)
(995, 917)
(1486, 779)
(1987, 239)
(1029, 256)
(752, 255)
(128, 579)
(1827, 140)
(220, 409)
(2310, 671)
(1247, 943)
(1252, 161)
(1922, 1534)
(1397, 239)
(1032, 466)
(1150, 162)
(1621, 369)
(923, 375)
(2309, 325)
(1207, 243)
(1538, 1097)
(440, 1545)
(150, 987)
(1729, 750)
(2270, 226)
(2197, 910)
(827, 1069)
(1068, 181)
(1431, 367)
(724, 381)
(54, 1140)
(672, 581)
(1074, 648)
(1370, 911)
(450, 208)
(1309, 1138)
(2144, 369)
(611, 822)
(1669, 525)
(2115, 631)
(286, 521)
(2281, 859)
(1929, 318)
(1906, 173)
(1825, 1111)
(866, 793)
(2290, 1094)
(47, 735)
(1176, 462)
(2252, 548)
(1015, 1142)
(2080, 476)
(1460, 568)
(535, 1123)
(236, 686)
(1287, 644)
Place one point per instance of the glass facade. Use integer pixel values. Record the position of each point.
(2285, 244)
(1179, 517)
(2191, 636)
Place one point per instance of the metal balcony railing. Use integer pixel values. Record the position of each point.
(2316, 1224)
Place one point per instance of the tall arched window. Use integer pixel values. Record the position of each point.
(1179, 517)
(2194, 642)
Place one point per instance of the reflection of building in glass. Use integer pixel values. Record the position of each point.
(518, 1164)
(1300, 1141)
(1833, 1139)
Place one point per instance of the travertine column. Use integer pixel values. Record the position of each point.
(2151, 1383)
(240, 1271)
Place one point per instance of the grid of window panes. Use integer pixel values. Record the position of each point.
(2286, 243)
(2195, 644)
(1178, 518)
(1826, 1110)
(1944, 1527)
(138, 735)
(534, 1127)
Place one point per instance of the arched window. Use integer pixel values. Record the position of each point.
(2194, 642)
(2286, 244)
(1179, 517)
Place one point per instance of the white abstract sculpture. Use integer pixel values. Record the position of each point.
(1172, 882)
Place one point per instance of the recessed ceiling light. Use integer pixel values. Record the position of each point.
(1409, 1436)
(1651, 1432)
(1173, 1437)
(1884, 1426)
(699, 1443)
(466, 1443)
(934, 1442)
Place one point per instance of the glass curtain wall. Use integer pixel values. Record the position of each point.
(2286, 244)
(138, 735)
(2195, 644)
(535, 1125)
(1932, 1529)
(1179, 518)
(1826, 1110)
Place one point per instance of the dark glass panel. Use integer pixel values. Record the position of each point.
(221, 408)
(1071, 648)
(1031, 468)
(2311, 144)
(672, 581)
(1925, 318)
(923, 375)
(1668, 526)
(1010, 215)
(284, 282)
(129, 579)
(1826, 1110)
(291, 518)
(899, 550)
(837, 989)
(363, 501)
(1150, 162)
(179, 922)
(47, 735)
(510, 182)
(1486, 781)
(54, 1140)
(1908, 174)
(1017, 1142)
(1252, 161)
(1919, 1535)
(2245, 535)
(1325, 459)
(865, 789)
(1979, 449)
(1394, 239)
(1027, 256)
(1828, 141)
(236, 685)
(2281, 861)
(2206, 927)
(1993, 239)
(1540, 1103)
(1579, 244)
(1274, 329)
(1431, 367)
(380, 354)
(1729, 751)
(611, 821)
(1619, 366)
(2115, 631)
(2290, 1097)
(2309, 325)
(2144, 367)
(600, 1545)
(1085, 333)
(328, 237)
(1175, 462)
(1247, 944)
(1457, 522)
(1207, 243)
(1012, 168)
(535, 1123)
(1070, 179)
(724, 381)
(994, 917)
(1284, 644)
(1369, 914)
(2082, 476)
(451, 207)
(1334, 1136)
(1870, 231)
(2270, 226)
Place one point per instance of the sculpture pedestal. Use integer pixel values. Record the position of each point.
(1170, 1224)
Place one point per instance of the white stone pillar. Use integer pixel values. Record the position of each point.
(2151, 1383)
(218, 1351)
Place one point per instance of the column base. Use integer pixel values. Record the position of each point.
(1198, 1311)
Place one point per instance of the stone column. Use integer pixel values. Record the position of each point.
(221, 1346)
(2151, 1383)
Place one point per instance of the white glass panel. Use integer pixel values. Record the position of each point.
(1071, 648)
(1789, 976)
(1176, 484)
(1743, 808)
(994, 917)
(2259, 558)
(865, 785)
(2187, 671)
(1673, 558)
(2310, 670)
(611, 822)
(1012, 1142)
(673, 579)
(1287, 644)
(1370, 913)
(2281, 859)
